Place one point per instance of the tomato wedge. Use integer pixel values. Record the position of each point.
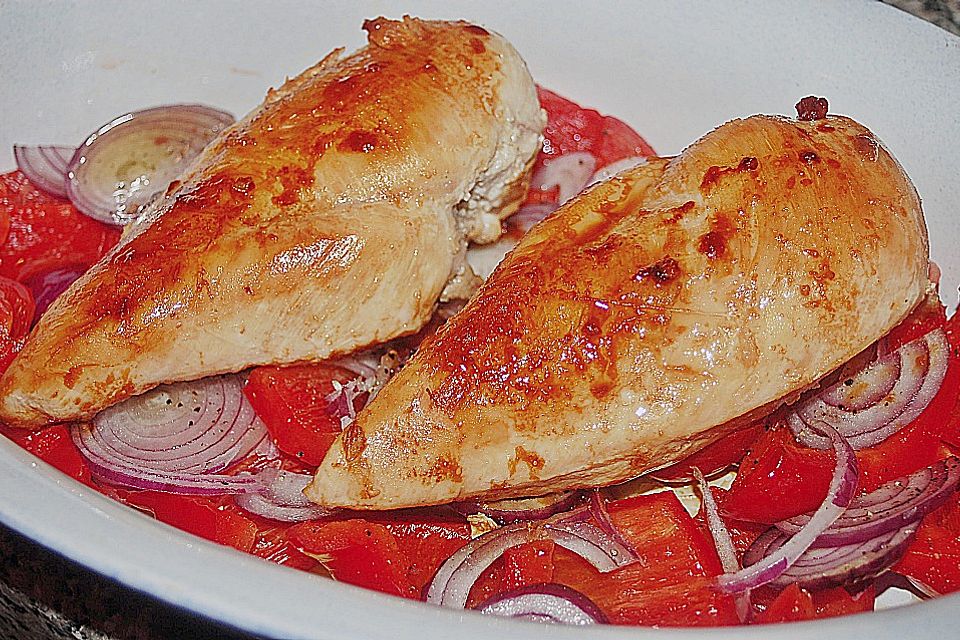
(933, 558)
(528, 564)
(16, 316)
(397, 555)
(670, 584)
(293, 403)
(54, 446)
(46, 232)
(208, 518)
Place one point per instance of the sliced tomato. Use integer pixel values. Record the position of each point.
(933, 558)
(743, 533)
(528, 564)
(46, 231)
(357, 552)
(839, 602)
(16, 316)
(925, 318)
(54, 446)
(779, 479)
(791, 605)
(720, 455)
(426, 541)
(293, 403)
(205, 517)
(571, 128)
(274, 544)
(670, 584)
(395, 553)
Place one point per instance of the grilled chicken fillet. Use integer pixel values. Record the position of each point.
(650, 316)
(330, 218)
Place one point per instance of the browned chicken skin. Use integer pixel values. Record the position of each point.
(330, 218)
(644, 319)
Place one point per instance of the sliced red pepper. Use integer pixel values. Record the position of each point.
(293, 403)
(16, 316)
(839, 602)
(426, 541)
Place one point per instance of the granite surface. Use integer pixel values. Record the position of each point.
(46, 597)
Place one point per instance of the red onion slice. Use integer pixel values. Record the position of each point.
(843, 486)
(45, 166)
(879, 400)
(823, 567)
(570, 172)
(281, 498)
(47, 286)
(573, 531)
(124, 163)
(892, 506)
(549, 603)
(175, 437)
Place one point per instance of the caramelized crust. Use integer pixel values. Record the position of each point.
(646, 318)
(328, 219)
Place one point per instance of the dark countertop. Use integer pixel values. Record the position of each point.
(43, 596)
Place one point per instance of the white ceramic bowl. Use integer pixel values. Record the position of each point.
(673, 70)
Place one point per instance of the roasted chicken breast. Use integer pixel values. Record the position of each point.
(648, 317)
(330, 218)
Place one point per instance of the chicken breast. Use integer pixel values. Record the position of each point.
(331, 217)
(650, 316)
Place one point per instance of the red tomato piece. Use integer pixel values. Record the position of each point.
(16, 316)
(528, 564)
(950, 430)
(426, 542)
(201, 516)
(742, 533)
(292, 402)
(571, 128)
(46, 231)
(54, 446)
(715, 457)
(933, 558)
(357, 552)
(928, 316)
(672, 582)
(839, 602)
(791, 605)
(779, 478)
(274, 545)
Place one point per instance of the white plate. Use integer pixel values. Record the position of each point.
(673, 70)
